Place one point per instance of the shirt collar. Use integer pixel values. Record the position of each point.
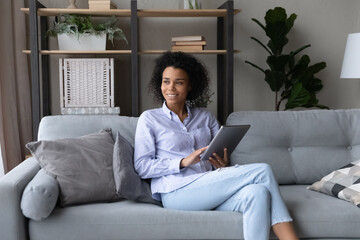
(170, 114)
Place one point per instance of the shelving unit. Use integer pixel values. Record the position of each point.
(40, 52)
(117, 52)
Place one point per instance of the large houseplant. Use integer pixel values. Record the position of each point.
(293, 78)
(80, 26)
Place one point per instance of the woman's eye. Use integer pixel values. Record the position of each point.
(179, 83)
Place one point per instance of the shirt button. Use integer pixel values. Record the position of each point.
(349, 148)
(290, 149)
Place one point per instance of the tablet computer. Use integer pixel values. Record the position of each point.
(228, 137)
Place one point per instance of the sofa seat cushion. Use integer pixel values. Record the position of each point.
(315, 215)
(318, 215)
(130, 220)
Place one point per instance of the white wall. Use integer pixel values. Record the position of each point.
(322, 23)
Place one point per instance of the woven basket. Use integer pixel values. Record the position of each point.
(86, 82)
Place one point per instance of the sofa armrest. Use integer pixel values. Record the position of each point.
(13, 225)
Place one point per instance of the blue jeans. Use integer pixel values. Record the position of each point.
(250, 189)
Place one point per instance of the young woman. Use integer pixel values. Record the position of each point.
(170, 140)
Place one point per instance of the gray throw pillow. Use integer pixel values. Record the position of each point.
(40, 196)
(343, 183)
(128, 183)
(82, 166)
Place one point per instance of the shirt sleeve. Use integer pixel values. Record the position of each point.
(145, 162)
(214, 126)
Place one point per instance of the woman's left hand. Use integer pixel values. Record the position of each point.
(219, 162)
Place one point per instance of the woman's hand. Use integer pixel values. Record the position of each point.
(219, 162)
(193, 158)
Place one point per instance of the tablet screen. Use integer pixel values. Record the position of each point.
(228, 137)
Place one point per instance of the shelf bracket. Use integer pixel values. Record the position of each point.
(35, 74)
(134, 60)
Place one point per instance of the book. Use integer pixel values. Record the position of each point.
(187, 48)
(102, 6)
(188, 38)
(101, 2)
(187, 43)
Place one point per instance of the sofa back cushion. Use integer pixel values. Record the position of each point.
(70, 126)
(301, 146)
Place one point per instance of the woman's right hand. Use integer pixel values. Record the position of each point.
(193, 158)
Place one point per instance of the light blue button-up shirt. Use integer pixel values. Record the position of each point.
(162, 140)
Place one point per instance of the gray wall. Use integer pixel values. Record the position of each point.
(322, 23)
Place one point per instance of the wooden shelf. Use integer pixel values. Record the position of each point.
(184, 13)
(58, 52)
(193, 52)
(56, 11)
(114, 52)
(141, 13)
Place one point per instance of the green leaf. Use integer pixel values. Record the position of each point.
(277, 14)
(321, 106)
(80, 24)
(190, 5)
(277, 27)
(277, 34)
(299, 96)
(255, 66)
(317, 67)
(300, 67)
(277, 63)
(315, 85)
(307, 75)
(261, 44)
(275, 79)
(314, 102)
(290, 21)
(293, 53)
(197, 5)
(259, 23)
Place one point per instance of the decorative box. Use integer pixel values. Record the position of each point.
(87, 84)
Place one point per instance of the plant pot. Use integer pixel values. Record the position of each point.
(83, 42)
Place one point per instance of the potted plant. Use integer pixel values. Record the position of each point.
(191, 4)
(294, 78)
(77, 32)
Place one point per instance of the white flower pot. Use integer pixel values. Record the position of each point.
(83, 42)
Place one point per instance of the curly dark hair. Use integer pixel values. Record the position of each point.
(199, 95)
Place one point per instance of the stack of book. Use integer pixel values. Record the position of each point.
(101, 4)
(188, 43)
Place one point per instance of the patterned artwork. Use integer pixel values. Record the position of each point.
(91, 111)
(343, 183)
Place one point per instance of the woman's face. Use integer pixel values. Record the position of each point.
(175, 86)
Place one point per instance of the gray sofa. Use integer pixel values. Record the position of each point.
(300, 146)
